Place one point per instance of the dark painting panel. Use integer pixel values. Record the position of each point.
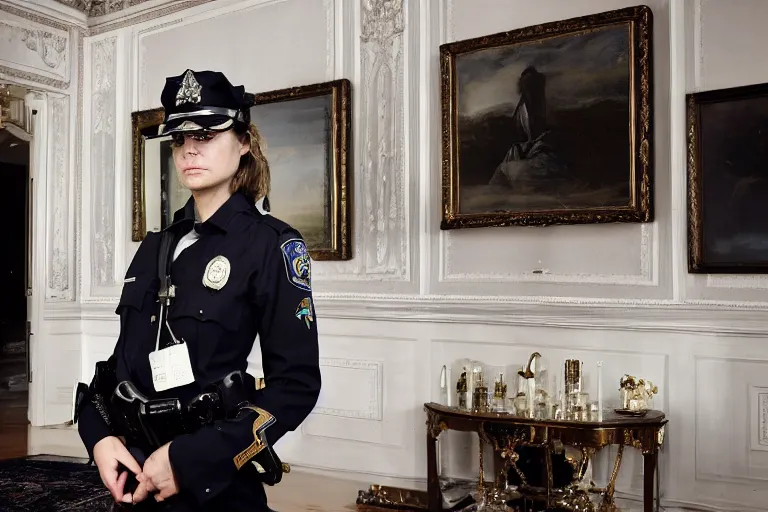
(730, 179)
(550, 124)
(546, 125)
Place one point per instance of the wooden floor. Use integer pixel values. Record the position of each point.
(307, 492)
(13, 426)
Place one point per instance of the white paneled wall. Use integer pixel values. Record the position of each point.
(413, 297)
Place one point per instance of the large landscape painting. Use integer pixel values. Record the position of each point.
(306, 134)
(297, 136)
(549, 125)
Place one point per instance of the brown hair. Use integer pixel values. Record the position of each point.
(252, 176)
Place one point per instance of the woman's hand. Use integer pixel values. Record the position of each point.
(156, 476)
(108, 454)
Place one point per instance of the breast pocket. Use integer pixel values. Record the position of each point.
(215, 311)
(138, 308)
(138, 294)
(206, 323)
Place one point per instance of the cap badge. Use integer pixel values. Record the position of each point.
(216, 273)
(189, 92)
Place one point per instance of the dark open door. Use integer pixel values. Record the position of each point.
(13, 257)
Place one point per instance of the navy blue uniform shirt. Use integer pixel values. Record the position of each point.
(267, 292)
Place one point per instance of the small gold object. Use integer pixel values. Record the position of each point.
(636, 394)
(500, 388)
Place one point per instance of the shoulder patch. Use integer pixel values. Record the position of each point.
(297, 263)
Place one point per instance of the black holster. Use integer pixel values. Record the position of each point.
(98, 392)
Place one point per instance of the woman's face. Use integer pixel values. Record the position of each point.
(207, 160)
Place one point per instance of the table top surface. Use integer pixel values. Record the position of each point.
(610, 419)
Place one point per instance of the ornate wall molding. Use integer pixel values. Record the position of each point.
(100, 7)
(102, 168)
(33, 17)
(368, 374)
(385, 239)
(449, 274)
(645, 277)
(59, 285)
(34, 49)
(78, 171)
(147, 16)
(702, 319)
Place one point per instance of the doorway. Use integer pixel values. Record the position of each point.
(14, 269)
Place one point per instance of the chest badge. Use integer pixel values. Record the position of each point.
(216, 273)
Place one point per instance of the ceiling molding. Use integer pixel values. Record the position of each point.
(93, 8)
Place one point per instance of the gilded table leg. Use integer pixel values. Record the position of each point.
(649, 470)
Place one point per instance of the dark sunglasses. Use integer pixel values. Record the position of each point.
(178, 138)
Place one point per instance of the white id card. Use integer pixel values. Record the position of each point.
(171, 367)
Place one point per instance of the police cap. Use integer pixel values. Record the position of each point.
(203, 101)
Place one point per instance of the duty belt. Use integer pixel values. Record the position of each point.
(148, 423)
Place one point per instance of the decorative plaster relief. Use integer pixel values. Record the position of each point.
(78, 171)
(382, 172)
(32, 47)
(102, 169)
(100, 7)
(59, 280)
(737, 282)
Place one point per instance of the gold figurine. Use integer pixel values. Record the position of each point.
(636, 394)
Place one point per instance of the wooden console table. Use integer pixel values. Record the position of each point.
(645, 433)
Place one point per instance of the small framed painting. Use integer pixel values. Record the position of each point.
(727, 182)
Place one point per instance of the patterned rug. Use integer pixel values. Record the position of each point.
(40, 485)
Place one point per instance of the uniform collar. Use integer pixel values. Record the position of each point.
(221, 218)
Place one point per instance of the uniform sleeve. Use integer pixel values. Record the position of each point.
(204, 462)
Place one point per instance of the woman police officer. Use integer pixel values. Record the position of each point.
(194, 299)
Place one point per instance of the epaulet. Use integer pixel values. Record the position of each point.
(145, 259)
(282, 229)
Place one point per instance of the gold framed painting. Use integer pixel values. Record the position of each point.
(145, 183)
(307, 134)
(550, 124)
